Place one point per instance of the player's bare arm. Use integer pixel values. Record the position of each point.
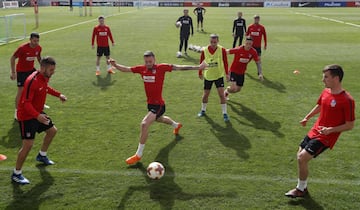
(313, 112)
(202, 66)
(348, 125)
(12, 64)
(119, 66)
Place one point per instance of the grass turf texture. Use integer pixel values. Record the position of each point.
(247, 164)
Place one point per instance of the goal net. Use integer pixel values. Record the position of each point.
(10, 4)
(12, 28)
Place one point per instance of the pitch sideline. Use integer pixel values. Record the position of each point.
(328, 19)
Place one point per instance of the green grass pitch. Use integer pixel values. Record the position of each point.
(247, 164)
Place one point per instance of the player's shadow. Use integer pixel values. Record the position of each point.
(254, 119)
(12, 138)
(191, 59)
(307, 203)
(104, 82)
(33, 198)
(268, 83)
(165, 191)
(230, 137)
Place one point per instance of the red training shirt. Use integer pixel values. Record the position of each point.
(257, 31)
(212, 51)
(241, 58)
(153, 81)
(26, 56)
(33, 96)
(336, 109)
(102, 34)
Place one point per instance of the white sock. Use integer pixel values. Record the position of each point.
(42, 153)
(302, 184)
(203, 106)
(140, 150)
(224, 108)
(97, 68)
(175, 124)
(17, 172)
(109, 66)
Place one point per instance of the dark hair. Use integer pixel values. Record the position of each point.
(256, 16)
(47, 61)
(249, 38)
(34, 35)
(101, 17)
(335, 70)
(149, 53)
(214, 36)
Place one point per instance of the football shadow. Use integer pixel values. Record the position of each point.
(307, 203)
(255, 120)
(12, 139)
(33, 198)
(230, 137)
(164, 191)
(268, 83)
(104, 82)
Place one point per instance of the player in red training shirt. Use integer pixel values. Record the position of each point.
(26, 54)
(242, 56)
(31, 117)
(257, 31)
(153, 76)
(337, 114)
(102, 33)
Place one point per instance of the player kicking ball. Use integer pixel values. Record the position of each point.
(153, 76)
(242, 56)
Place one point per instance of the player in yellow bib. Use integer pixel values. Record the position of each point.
(215, 56)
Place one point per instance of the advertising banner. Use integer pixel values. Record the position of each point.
(146, 3)
(332, 4)
(304, 4)
(277, 4)
(171, 4)
(353, 4)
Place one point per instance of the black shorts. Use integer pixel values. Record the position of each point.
(258, 50)
(238, 78)
(184, 36)
(218, 83)
(313, 146)
(159, 110)
(28, 128)
(21, 77)
(103, 51)
(200, 19)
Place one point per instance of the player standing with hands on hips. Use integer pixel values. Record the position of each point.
(186, 26)
(257, 32)
(200, 11)
(31, 117)
(153, 76)
(337, 114)
(239, 28)
(102, 33)
(215, 56)
(26, 54)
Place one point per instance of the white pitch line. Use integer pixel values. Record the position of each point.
(328, 19)
(234, 177)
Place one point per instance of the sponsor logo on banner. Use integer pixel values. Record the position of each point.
(146, 3)
(171, 4)
(277, 4)
(304, 4)
(224, 4)
(332, 4)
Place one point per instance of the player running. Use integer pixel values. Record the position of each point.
(200, 11)
(337, 114)
(215, 56)
(242, 56)
(257, 31)
(153, 76)
(186, 25)
(31, 117)
(239, 27)
(26, 54)
(102, 33)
